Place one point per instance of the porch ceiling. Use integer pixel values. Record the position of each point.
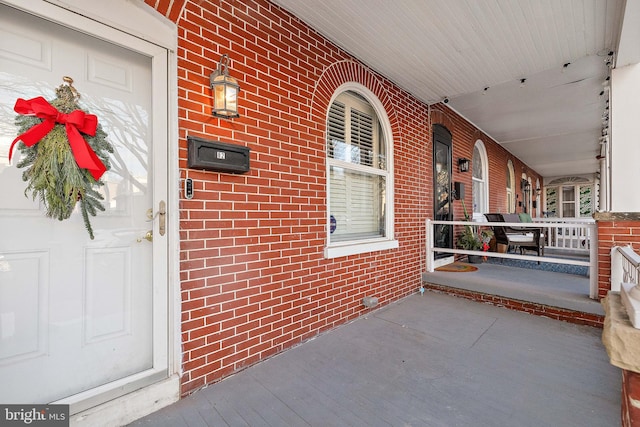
(457, 48)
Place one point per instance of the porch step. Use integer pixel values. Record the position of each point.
(568, 293)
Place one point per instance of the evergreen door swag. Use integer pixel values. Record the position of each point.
(65, 152)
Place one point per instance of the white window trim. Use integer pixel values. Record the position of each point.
(479, 216)
(576, 198)
(511, 202)
(334, 250)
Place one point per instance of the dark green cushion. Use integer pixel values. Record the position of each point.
(525, 217)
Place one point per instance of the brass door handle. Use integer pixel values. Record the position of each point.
(162, 217)
(148, 237)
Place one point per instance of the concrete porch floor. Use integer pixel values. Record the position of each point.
(428, 360)
(569, 291)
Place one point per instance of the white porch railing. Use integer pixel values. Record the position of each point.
(625, 263)
(568, 233)
(592, 232)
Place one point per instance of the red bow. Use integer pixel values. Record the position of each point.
(75, 122)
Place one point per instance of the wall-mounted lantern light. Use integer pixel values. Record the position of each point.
(538, 191)
(225, 91)
(463, 164)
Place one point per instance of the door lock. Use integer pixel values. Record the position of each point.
(148, 237)
(162, 217)
(162, 211)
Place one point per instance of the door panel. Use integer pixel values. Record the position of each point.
(76, 313)
(23, 333)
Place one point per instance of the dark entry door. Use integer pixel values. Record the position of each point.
(443, 211)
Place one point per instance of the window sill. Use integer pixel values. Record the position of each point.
(359, 248)
(478, 217)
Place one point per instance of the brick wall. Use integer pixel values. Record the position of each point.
(464, 137)
(630, 410)
(252, 273)
(614, 229)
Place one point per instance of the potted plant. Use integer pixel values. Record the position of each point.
(473, 239)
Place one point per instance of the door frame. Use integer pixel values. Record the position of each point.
(147, 391)
(440, 134)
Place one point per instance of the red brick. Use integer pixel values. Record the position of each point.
(251, 245)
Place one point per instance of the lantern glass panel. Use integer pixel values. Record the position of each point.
(218, 97)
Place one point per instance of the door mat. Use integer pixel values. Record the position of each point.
(457, 267)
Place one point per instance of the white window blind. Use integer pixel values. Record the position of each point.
(335, 129)
(356, 182)
(362, 137)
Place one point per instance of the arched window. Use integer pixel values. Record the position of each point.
(511, 188)
(359, 170)
(480, 189)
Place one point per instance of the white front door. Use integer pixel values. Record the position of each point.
(78, 314)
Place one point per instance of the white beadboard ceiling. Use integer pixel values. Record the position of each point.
(457, 48)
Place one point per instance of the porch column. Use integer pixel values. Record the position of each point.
(624, 150)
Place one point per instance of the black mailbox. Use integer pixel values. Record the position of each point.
(216, 156)
(458, 190)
